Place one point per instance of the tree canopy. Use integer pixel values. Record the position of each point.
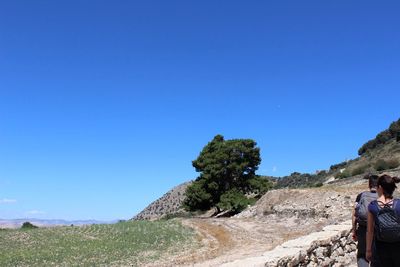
(227, 172)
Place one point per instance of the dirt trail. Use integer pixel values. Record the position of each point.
(224, 240)
(279, 216)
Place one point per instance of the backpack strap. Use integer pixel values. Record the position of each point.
(394, 203)
(389, 204)
(379, 203)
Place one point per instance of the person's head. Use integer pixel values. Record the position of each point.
(387, 185)
(372, 180)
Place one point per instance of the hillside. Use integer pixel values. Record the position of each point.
(380, 157)
(169, 203)
(377, 155)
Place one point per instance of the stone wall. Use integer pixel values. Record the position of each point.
(333, 246)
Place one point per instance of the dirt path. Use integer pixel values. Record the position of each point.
(227, 239)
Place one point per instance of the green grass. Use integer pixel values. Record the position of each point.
(123, 244)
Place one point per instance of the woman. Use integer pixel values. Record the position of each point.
(386, 253)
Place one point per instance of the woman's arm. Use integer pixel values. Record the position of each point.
(370, 235)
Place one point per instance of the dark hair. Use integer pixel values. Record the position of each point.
(372, 180)
(388, 184)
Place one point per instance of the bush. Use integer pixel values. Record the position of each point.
(381, 164)
(344, 174)
(359, 170)
(28, 225)
(170, 216)
(338, 166)
(318, 184)
(298, 180)
(394, 128)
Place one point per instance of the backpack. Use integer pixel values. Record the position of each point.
(362, 207)
(387, 223)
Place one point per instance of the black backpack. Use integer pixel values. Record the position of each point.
(362, 206)
(387, 223)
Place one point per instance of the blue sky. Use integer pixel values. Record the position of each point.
(104, 104)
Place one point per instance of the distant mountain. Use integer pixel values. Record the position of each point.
(16, 223)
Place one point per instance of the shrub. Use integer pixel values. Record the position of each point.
(171, 216)
(28, 225)
(359, 170)
(393, 163)
(338, 166)
(394, 128)
(381, 164)
(318, 184)
(344, 174)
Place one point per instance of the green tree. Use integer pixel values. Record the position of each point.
(225, 166)
(234, 201)
(28, 225)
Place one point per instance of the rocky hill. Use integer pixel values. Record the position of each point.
(169, 203)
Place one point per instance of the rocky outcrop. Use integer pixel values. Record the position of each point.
(169, 203)
(333, 246)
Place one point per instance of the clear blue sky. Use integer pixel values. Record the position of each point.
(104, 104)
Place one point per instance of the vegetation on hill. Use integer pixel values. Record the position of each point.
(393, 132)
(379, 154)
(301, 180)
(121, 244)
(227, 173)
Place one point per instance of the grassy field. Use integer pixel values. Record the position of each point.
(123, 244)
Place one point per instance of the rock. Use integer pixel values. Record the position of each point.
(340, 251)
(322, 248)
